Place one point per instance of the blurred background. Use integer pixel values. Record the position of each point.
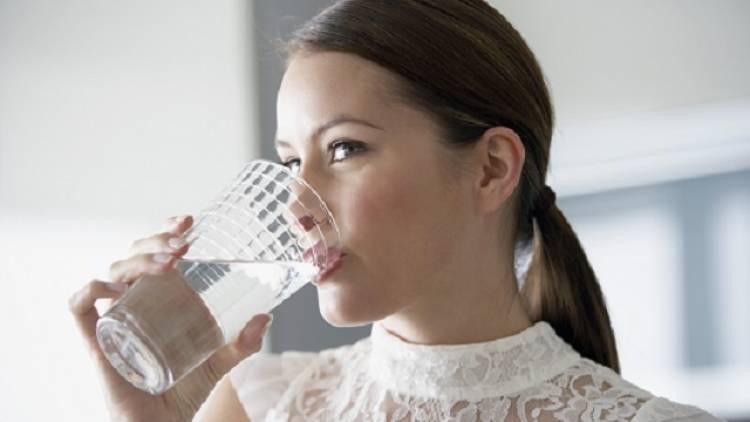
(117, 115)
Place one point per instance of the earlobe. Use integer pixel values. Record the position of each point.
(501, 157)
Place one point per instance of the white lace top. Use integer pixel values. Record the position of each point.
(530, 376)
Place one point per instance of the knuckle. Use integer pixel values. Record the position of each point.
(164, 237)
(114, 267)
(146, 260)
(157, 262)
(72, 302)
(92, 287)
(125, 267)
(136, 244)
(147, 264)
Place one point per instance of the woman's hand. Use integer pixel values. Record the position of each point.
(156, 255)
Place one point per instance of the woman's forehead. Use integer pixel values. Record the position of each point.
(332, 79)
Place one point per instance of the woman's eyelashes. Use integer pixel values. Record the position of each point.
(289, 164)
(343, 148)
(339, 150)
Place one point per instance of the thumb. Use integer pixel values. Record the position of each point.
(251, 337)
(247, 343)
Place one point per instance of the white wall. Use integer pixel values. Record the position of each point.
(113, 117)
(610, 58)
(636, 82)
(143, 105)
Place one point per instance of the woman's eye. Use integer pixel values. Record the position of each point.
(340, 150)
(292, 165)
(344, 148)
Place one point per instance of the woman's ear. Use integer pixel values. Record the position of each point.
(499, 157)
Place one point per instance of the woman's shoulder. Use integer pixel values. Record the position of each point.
(596, 388)
(265, 367)
(264, 378)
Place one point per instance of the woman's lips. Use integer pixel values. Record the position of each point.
(328, 271)
(327, 259)
(322, 256)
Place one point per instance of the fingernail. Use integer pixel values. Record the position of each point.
(176, 243)
(176, 221)
(161, 258)
(117, 287)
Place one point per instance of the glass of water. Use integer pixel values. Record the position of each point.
(262, 239)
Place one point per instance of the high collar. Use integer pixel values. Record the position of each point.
(469, 371)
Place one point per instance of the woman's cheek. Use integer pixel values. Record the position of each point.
(369, 209)
(382, 217)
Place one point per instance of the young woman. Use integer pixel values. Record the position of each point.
(425, 125)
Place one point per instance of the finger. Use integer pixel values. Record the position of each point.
(247, 343)
(81, 305)
(86, 316)
(177, 224)
(83, 300)
(129, 270)
(167, 242)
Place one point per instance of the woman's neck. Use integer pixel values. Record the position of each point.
(473, 306)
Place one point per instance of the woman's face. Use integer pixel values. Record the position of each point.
(378, 164)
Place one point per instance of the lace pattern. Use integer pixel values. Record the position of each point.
(473, 371)
(531, 376)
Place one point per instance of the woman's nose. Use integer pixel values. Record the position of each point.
(314, 215)
(307, 174)
(315, 179)
(313, 196)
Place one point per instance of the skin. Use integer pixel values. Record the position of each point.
(428, 242)
(427, 232)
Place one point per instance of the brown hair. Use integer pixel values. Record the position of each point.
(464, 64)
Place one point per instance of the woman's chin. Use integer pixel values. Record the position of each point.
(341, 311)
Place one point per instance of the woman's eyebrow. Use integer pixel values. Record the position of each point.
(331, 123)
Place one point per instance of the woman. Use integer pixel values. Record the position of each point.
(425, 125)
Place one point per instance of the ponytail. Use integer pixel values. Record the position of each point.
(563, 290)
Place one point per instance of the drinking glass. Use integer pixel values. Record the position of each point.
(265, 236)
